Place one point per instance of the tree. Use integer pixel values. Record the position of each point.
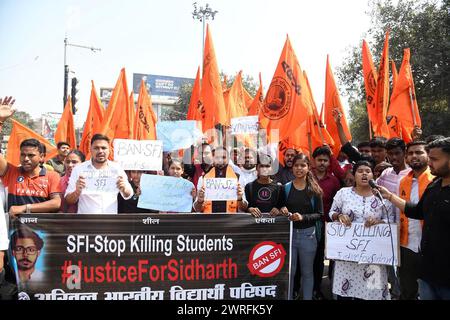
(22, 117)
(181, 107)
(422, 26)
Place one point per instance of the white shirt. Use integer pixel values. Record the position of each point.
(100, 202)
(247, 176)
(414, 225)
(391, 181)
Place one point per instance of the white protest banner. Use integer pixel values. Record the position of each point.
(100, 181)
(244, 125)
(138, 154)
(360, 244)
(165, 193)
(177, 135)
(220, 189)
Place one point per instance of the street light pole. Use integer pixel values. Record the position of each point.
(66, 66)
(203, 14)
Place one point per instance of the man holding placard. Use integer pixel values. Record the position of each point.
(94, 184)
(219, 190)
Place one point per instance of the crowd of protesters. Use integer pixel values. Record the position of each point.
(413, 178)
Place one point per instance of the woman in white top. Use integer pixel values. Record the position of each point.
(358, 204)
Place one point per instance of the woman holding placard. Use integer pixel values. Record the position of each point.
(305, 208)
(352, 280)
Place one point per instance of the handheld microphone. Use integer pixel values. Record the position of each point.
(374, 185)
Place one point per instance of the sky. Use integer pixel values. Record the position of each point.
(161, 37)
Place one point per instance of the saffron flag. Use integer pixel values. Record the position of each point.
(332, 101)
(212, 93)
(145, 120)
(284, 107)
(93, 122)
(380, 127)
(195, 104)
(403, 100)
(258, 100)
(132, 113)
(19, 132)
(370, 82)
(394, 74)
(116, 122)
(235, 100)
(319, 133)
(65, 132)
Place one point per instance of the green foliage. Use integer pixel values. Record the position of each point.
(22, 117)
(422, 26)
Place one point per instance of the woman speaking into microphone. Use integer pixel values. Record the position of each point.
(352, 280)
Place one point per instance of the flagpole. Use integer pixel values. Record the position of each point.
(202, 15)
(318, 126)
(310, 144)
(412, 107)
(370, 129)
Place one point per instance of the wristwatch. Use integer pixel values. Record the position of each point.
(28, 208)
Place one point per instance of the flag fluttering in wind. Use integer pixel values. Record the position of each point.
(403, 104)
(284, 107)
(380, 127)
(93, 122)
(65, 132)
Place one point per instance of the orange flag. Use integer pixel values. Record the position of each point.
(332, 100)
(132, 113)
(19, 132)
(212, 93)
(235, 100)
(93, 122)
(258, 100)
(195, 104)
(319, 133)
(116, 122)
(284, 107)
(370, 82)
(321, 113)
(225, 83)
(145, 125)
(248, 99)
(380, 127)
(66, 127)
(394, 74)
(403, 100)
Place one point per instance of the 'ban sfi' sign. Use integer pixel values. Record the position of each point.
(266, 259)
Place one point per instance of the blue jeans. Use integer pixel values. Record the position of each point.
(304, 246)
(430, 291)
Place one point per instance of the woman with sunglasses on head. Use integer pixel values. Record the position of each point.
(352, 280)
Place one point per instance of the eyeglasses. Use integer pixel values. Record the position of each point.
(27, 250)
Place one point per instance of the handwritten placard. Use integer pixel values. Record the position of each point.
(220, 189)
(244, 125)
(138, 154)
(100, 181)
(360, 244)
(177, 135)
(165, 193)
